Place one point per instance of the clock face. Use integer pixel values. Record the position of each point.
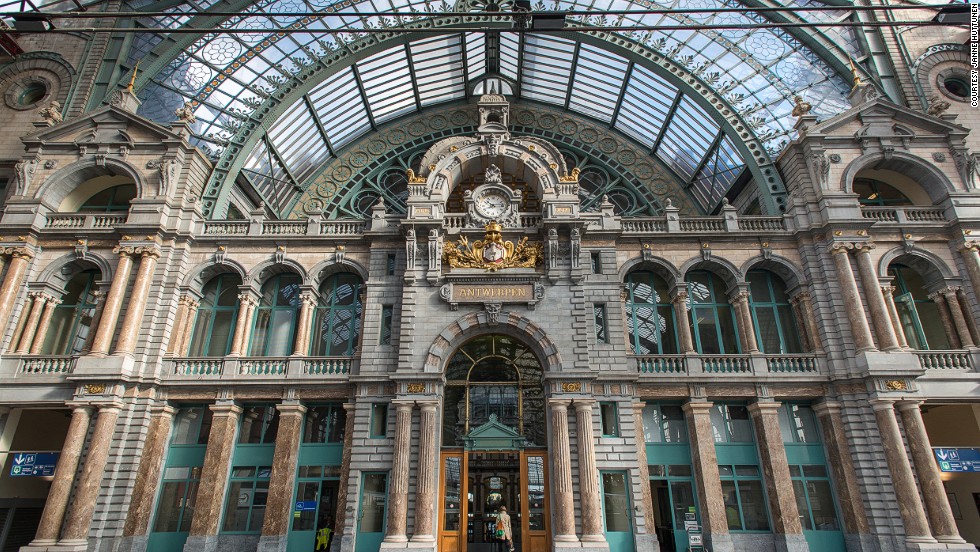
(491, 204)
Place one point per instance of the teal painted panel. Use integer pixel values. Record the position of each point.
(166, 542)
(737, 454)
(186, 456)
(328, 454)
(253, 455)
(805, 454)
(301, 541)
(620, 542)
(672, 453)
(825, 541)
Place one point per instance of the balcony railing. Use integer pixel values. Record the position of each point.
(945, 360)
(82, 221)
(260, 367)
(904, 214)
(691, 365)
(284, 228)
(46, 365)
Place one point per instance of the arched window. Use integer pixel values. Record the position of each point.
(712, 317)
(110, 200)
(873, 192)
(650, 315)
(338, 317)
(71, 321)
(275, 317)
(772, 315)
(216, 315)
(918, 314)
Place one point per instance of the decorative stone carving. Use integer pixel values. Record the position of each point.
(821, 168)
(52, 113)
(23, 174)
(169, 174)
(801, 108)
(492, 253)
(410, 249)
(937, 105)
(185, 113)
(493, 313)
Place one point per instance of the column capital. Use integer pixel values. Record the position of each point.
(164, 409)
(110, 408)
(18, 252)
(428, 406)
(247, 299)
(226, 409)
(906, 405)
(946, 291)
(970, 245)
(559, 403)
(826, 407)
(803, 295)
(309, 299)
(763, 406)
(695, 407)
(81, 407)
(863, 247)
(841, 247)
(882, 404)
(124, 250)
(888, 289)
(147, 251)
(583, 404)
(349, 406)
(291, 408)
(679, 295)
(403, 404)
(638, 406)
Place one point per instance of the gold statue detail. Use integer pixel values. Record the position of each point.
(492, 252)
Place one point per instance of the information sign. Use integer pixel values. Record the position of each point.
(957, 459)
(34, 464)
(305, 505)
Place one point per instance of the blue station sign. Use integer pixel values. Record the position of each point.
(957, 459)
(34, 464)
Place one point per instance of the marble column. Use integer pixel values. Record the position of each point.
(398, 490)
(148, 474)
(803, 303)
(946, 319)
(971, 258)
(341, 516)
(306, 310)
(43, 325)
(902, 480)
(246, 307)
(959, 321)
(20, 258)
(714, 520)
(22, 321)
(775, 470)
(282, 480)
(64, 478)
(187, 333)
(888, 291)
(561, 460)
(33, 317)
(588, 473)
(842, 467)
(682, 321)
(971, 322)
(180, 321)
(934, 494)
(649, 514)
(100, 296)
(113, 303)
(740, 300)
(129, 334)
(217, 464)
(79, 516)
(852, 298)
(876, 302)
(425, 480)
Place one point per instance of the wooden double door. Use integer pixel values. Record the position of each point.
(475, 484)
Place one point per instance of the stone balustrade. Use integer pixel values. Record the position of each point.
(666, 366)
(82, 221)
(904, 215)
(961, 361)
(231, 368)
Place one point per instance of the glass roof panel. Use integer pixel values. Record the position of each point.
(340, 108)
(646, 103)
(386, 84)
(476, 55)
(436, 82)
(598, 82)
(688, 138)
(509, 51)
(298, 141)
(718, 174)
(547, 68)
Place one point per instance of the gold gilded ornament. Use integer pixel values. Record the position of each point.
(571, 387)
(416, 388)
(94, 388)
(896, 385)
(492, 253)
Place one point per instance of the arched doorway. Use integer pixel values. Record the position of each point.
(494, 447)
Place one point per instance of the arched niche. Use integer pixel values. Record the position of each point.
(919, 180)
(68, 188)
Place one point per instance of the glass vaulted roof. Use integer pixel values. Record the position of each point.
(756, 72)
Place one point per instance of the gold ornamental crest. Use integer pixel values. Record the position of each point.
(492, 252)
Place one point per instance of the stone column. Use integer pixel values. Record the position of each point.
(743, 317)
(682, 321)
(643, 468)
(20, 258)
(217, 463)
(398, 490)
(148, 474)
(775, 470)
(30, 327)
(282, 480)
(971, 322)
(425, 480)
(956, 313)
(129, 333)
(43, 325)
(561, 460)
(79, 517)
(808, 319)
(851, 298)
(180, 321)
(246, 307)
(888, 291)
(946, 319)
(64, 478)
(100, 296)
(113, 302)
(186, 334)
(876, 302)
(714, 520)
(22, 321)
(842, 467)
(305, 324)
(588, 473)
(971, 259)
(937, 505)
(903, 480)
(341, 517)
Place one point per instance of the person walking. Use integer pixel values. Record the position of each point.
(504, 530)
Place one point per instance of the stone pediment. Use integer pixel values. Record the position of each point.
(108, 126)
(493, 435)
(882, 119)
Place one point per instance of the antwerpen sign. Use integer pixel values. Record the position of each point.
(454, 293)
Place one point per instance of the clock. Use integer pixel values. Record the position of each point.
(491, 203)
